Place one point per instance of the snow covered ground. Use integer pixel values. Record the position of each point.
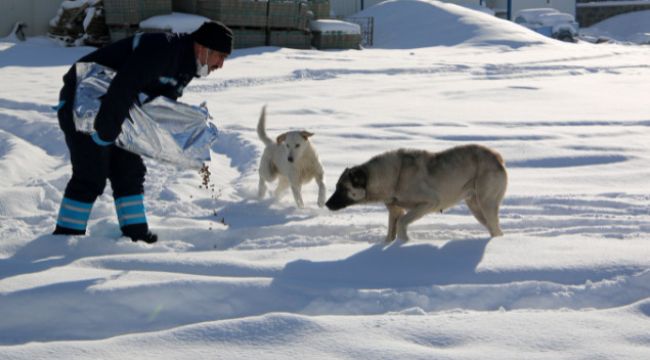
(569, 280)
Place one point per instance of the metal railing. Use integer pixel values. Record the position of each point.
(367, 25)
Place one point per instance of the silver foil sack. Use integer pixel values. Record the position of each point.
(161, 128)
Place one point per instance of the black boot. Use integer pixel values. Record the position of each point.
(65, 231)
(149, 237)
(139, 232)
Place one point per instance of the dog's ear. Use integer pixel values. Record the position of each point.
(280, 139)
(306, 134)
(358, 176)
(345, 174)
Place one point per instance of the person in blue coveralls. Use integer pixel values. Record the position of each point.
(154, 64)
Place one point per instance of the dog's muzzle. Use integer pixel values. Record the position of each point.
(338, 201)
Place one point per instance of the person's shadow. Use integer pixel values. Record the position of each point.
(49, 251)
(396, 265)
(42, 253)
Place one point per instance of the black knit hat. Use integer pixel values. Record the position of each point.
(214, 35)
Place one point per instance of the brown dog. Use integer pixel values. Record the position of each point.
(412, 183)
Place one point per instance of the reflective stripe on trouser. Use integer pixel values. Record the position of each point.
(74, 214)
(130, 210)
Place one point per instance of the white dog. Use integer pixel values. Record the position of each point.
(292, 159)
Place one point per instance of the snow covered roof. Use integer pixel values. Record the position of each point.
(330, 25)
(73, 4)
(175, 22)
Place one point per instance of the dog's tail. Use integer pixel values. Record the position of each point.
(261, 132)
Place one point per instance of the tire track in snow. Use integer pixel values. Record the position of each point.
(323, 74)
(516, 71)
(486, 72)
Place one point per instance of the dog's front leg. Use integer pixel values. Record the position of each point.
(297, 196)
(296, 188)
(261, 188)
(394, 213)
(322, 192)
(283, 184)
(412, 215)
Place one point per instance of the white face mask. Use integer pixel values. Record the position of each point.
(202, 70)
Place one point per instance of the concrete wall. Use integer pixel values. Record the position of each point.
(35, 13)
(501, 6)
(565, 6)
(343, 8)
(593, 12)
(466, 2)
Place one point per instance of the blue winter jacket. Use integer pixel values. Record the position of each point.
(154, 64)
